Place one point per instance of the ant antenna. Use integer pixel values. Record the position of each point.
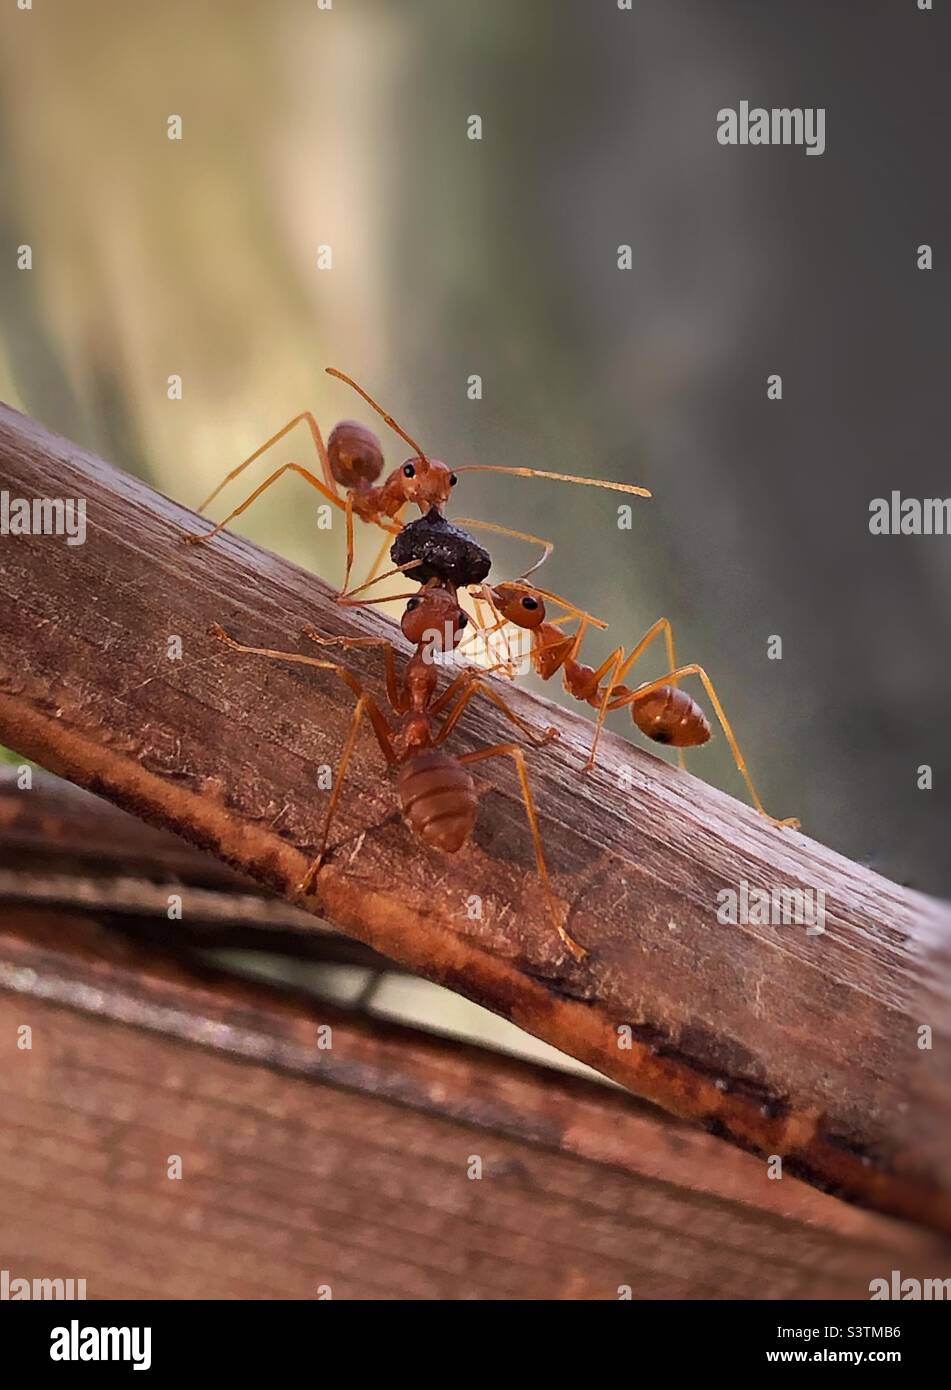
(342, 376)
(559, 477)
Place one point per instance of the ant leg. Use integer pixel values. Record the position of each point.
(483, 632)
(516, 754)
(694, 670)
(507, 665)
(476, 684)
(622, 666)
(379, 723)
(287, 467)
(348, 513)
(395, 530)
(575, 648)
(474, 627)
(389, 658)
(365, 703)
(392, 528)
(352, 596)
(457, 683)
(476, 632)
(329, 478)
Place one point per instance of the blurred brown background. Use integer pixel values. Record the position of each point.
(451, 257)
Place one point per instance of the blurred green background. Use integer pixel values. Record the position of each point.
(304, 127)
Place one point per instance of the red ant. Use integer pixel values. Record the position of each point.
(353, 459)
(659, 708)
(437, 795)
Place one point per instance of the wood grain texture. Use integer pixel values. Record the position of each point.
(62, 846)
(783, 1043)
(349, 1165)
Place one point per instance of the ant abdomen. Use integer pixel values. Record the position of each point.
(438, 799)
(355, 453)
(669, 715)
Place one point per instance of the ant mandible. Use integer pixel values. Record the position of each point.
(437, 794)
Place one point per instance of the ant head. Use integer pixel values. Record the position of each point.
(519, 605)
(434, 619)
(425, 481)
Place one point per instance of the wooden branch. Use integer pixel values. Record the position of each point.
(787, 1044)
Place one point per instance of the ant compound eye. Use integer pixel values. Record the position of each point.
(413, 603)
(462, 621)
(530, 603)
(409, 471)
(453, 480)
